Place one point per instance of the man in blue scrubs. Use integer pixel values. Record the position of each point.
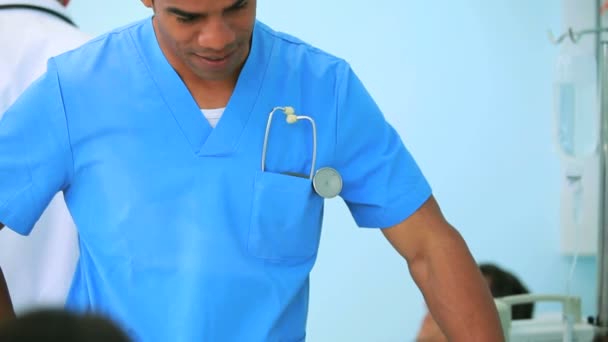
(155, 135)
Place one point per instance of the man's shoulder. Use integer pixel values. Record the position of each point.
(294, 48)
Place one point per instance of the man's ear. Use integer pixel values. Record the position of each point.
(147, 3)
(65, 2)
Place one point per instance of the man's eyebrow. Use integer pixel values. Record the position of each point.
(182, 13)
(235, 5)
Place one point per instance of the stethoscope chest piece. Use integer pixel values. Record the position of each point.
(327, 182)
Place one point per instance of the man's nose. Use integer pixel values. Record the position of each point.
(216, 34)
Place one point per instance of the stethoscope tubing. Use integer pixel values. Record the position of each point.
(39, 9)
(291, 119)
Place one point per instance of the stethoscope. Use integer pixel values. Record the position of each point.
(326, 181)
(40, 9)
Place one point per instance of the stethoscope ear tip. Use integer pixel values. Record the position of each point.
(289, 110)
(291, 118)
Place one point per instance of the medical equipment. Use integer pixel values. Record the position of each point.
(568, 327)
(577, 118)
(600, 44)
(577, 132)
(326, 181)
(40, 9)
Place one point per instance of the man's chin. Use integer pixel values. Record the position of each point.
(224, 74)
(214, 76)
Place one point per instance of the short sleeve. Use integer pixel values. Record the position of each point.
(35, 154)
(383, 185)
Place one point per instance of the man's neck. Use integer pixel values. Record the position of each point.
(210, 94)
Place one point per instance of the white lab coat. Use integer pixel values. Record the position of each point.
(38, 268)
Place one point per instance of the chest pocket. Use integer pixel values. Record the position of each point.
(286, 218)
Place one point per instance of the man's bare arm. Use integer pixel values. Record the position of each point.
(442, 266)
(6, 306)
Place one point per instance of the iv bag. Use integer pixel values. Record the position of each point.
(577, 119)
(577, 105)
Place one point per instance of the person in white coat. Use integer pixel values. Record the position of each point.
(38, 269)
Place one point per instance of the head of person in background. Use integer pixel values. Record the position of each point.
(55, 325)
(501, 283)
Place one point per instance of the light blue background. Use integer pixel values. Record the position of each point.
(468, 84)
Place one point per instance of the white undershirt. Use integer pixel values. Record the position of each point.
(213, 115)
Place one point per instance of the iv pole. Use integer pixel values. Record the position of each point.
(602, 251)
(601, 43)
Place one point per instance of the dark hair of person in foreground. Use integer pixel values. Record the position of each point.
(54, 325)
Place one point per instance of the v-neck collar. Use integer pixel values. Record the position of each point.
(205, 140)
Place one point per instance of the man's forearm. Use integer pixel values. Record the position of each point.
(6, 306)
(456, 293)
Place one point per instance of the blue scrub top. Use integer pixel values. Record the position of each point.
(182, 236)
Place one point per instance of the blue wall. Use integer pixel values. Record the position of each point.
(468, 84)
